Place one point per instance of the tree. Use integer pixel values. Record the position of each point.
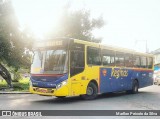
(77, 24)
(12, 46)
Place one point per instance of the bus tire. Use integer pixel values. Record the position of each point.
(60, 96)
(135, 87)
(91, 93)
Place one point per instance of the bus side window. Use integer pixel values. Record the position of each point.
(119, 59)
(136, 61)
(143, 62)
(128, 60)
(106, 60)
(93, 56)
(108, 57)
(150, 62)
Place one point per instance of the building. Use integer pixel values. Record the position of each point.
(157, 56)
(157, 61)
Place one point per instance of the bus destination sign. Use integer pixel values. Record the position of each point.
(49, 43)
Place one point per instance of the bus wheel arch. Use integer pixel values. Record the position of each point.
(135, 87)
(91, 90)
(94, 81)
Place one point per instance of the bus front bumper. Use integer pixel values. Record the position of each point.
(63, 91)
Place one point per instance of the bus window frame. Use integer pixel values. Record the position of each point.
(132, 56)
(100, 56)
(120, 57)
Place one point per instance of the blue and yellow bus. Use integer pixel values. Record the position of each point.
(70, 67)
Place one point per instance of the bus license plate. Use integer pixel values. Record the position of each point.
(42, 90)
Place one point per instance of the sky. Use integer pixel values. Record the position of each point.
(128, 23)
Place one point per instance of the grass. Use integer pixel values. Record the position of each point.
(21, 85)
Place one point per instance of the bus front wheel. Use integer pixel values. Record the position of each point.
(92, 91)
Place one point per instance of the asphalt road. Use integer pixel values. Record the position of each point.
(147, 99)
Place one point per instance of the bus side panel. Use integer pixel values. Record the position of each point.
(105, 80)
(76, 87)
(115, 79)
(80, 81)
(128, 80)
(144, 77)
(119, 79)
(92, 73)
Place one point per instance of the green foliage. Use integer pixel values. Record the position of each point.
(21, 85)
(12, 45)
(16, 76)
(77, 24)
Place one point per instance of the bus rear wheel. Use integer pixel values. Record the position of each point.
(135, 87)
(92, 91)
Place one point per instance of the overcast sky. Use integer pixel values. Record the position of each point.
(129, 23)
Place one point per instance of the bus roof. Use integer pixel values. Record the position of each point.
(114, 48)
(56, 42)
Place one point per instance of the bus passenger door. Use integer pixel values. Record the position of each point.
(76, 71)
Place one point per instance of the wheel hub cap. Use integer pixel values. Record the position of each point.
(89, 91)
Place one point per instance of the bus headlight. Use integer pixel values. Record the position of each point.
(61, 84)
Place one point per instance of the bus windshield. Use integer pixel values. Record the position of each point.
(50, 62)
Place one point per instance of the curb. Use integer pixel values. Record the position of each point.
(14, 92)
